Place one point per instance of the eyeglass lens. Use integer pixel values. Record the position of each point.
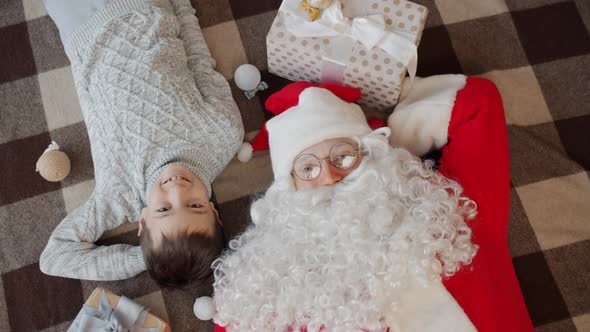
(308, 167)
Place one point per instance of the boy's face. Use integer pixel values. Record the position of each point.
(177, 201)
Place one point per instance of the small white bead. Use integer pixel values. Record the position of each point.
(245, 152)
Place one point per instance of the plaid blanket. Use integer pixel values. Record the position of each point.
(537, 52)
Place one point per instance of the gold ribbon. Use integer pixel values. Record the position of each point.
(312, 12)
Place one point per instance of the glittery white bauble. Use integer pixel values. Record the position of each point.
(247, 77)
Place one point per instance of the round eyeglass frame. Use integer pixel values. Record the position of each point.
(320, 160)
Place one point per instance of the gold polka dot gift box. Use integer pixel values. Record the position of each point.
(370, 45)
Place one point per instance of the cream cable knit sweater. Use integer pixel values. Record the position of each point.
(150, 96)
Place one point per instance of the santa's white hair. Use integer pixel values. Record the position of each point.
(336, 256)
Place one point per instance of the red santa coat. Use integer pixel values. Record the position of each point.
(476, 156)
(468, 120)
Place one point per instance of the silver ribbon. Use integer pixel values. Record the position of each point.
(261, 86)
(368, 30)
(128, 316)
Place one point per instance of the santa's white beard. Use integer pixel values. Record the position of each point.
(338, 256)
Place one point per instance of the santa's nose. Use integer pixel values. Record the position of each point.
(329, 175)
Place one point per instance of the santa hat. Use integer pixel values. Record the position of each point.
(330, 108)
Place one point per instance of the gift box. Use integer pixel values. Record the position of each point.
(369, 45)
(105, 311)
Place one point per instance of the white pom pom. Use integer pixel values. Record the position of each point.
(204, 308)
(245, 152)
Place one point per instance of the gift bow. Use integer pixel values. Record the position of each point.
(368, 30)
(128, 316)
(312, 12)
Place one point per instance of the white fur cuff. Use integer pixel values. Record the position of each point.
(421, 119)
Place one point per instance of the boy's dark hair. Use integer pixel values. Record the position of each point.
(186, 257)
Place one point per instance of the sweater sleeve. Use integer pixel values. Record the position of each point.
(213, 86)
(71, 250)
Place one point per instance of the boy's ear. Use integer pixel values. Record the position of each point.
(141, 225)
(216, 213)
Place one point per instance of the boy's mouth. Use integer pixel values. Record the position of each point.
(175, 178)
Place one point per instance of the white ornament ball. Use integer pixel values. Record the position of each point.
(204, 308)
(245, 152)
(247, 77)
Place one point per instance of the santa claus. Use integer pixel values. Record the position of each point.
(356, 233)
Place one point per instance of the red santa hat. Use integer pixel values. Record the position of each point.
(309, 113)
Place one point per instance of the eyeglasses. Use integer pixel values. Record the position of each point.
(308, 167)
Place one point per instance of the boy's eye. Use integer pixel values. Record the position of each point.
(195, 206)
(162, 209)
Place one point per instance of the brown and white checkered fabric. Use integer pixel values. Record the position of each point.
(537, 52)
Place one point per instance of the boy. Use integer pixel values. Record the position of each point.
(162, 125)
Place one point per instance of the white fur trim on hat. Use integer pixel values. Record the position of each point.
(320, 115)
